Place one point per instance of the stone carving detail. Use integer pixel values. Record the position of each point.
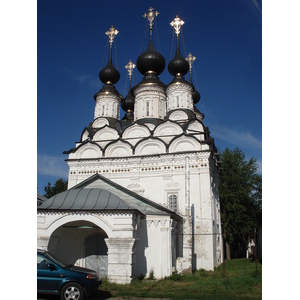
(100, 122)
(88, 151)
(134, 133)
(197, 130)
(165, 223)
(167, 131)
(184, 143)
(178, 115)
(135, 187)
(149, 147)
(118, 149)
(105, 135)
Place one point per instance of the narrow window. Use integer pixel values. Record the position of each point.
(172, 202)
(177, 101)
(147, 108)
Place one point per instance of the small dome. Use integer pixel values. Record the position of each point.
(151, 61)
(196, 96)
(109, 74)
(178, 65)
(128, 103)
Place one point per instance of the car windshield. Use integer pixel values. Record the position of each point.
(57, 261)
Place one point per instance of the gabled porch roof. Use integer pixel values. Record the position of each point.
(97, 193)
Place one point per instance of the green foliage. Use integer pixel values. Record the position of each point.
(240, 192)
(60, 185)
(240, 283)
(175, 276)
(151, 275)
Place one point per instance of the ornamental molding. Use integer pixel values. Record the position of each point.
(172, 186)
(100, 122)
(169, 129)
(106, 134)
(178, 115)
(166, 223)
(166, 157)
(98, 215)
(119, 149)
(107, 97)
(179, 87)
(152, 88)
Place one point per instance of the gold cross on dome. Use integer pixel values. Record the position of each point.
(177, 23)
(129, 67)
(112, 32)
(190, 58)
(150, 16)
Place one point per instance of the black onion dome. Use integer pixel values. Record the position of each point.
(109, 74)
(150, 61)
(178, 65)
(128, 103)
(196, 96)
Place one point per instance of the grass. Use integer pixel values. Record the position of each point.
(239, 283)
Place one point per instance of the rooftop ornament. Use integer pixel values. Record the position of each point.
(190, 58)
(129, 67)
(177, 23)
(150, 16)
(111, 33)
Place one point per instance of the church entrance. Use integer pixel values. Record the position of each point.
(96, 257)
(81, 243)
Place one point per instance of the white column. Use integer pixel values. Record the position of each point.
(120, 259)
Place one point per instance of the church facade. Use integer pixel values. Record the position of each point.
(142, 192)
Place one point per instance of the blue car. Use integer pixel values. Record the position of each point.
(68, 281)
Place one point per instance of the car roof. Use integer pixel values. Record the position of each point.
(41, 251)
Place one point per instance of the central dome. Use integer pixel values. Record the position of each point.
(151, 61)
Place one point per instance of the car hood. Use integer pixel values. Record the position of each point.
(80, 269)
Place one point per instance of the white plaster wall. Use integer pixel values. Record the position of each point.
(155, 97)
(152, 174)
(159, 253)
(107, 105)
(179, 96)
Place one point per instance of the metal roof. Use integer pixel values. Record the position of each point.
(85, 199)
(98, 193)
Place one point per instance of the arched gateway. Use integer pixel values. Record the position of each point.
(103, 226)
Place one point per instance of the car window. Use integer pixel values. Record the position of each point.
(42, 262)
(57, 261)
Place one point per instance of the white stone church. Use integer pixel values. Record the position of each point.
(142, 190)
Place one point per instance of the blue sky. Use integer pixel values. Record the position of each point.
(224, 35)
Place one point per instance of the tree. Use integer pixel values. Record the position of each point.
(240, 197)
(60, 185)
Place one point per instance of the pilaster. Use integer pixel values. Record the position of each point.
(120, 259)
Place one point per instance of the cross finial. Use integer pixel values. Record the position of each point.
(129, 67)
(190, 58)
(112, 32)
(177, 23)
(150, 16)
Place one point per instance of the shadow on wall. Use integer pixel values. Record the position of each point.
(139, 258)
(82, 244)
